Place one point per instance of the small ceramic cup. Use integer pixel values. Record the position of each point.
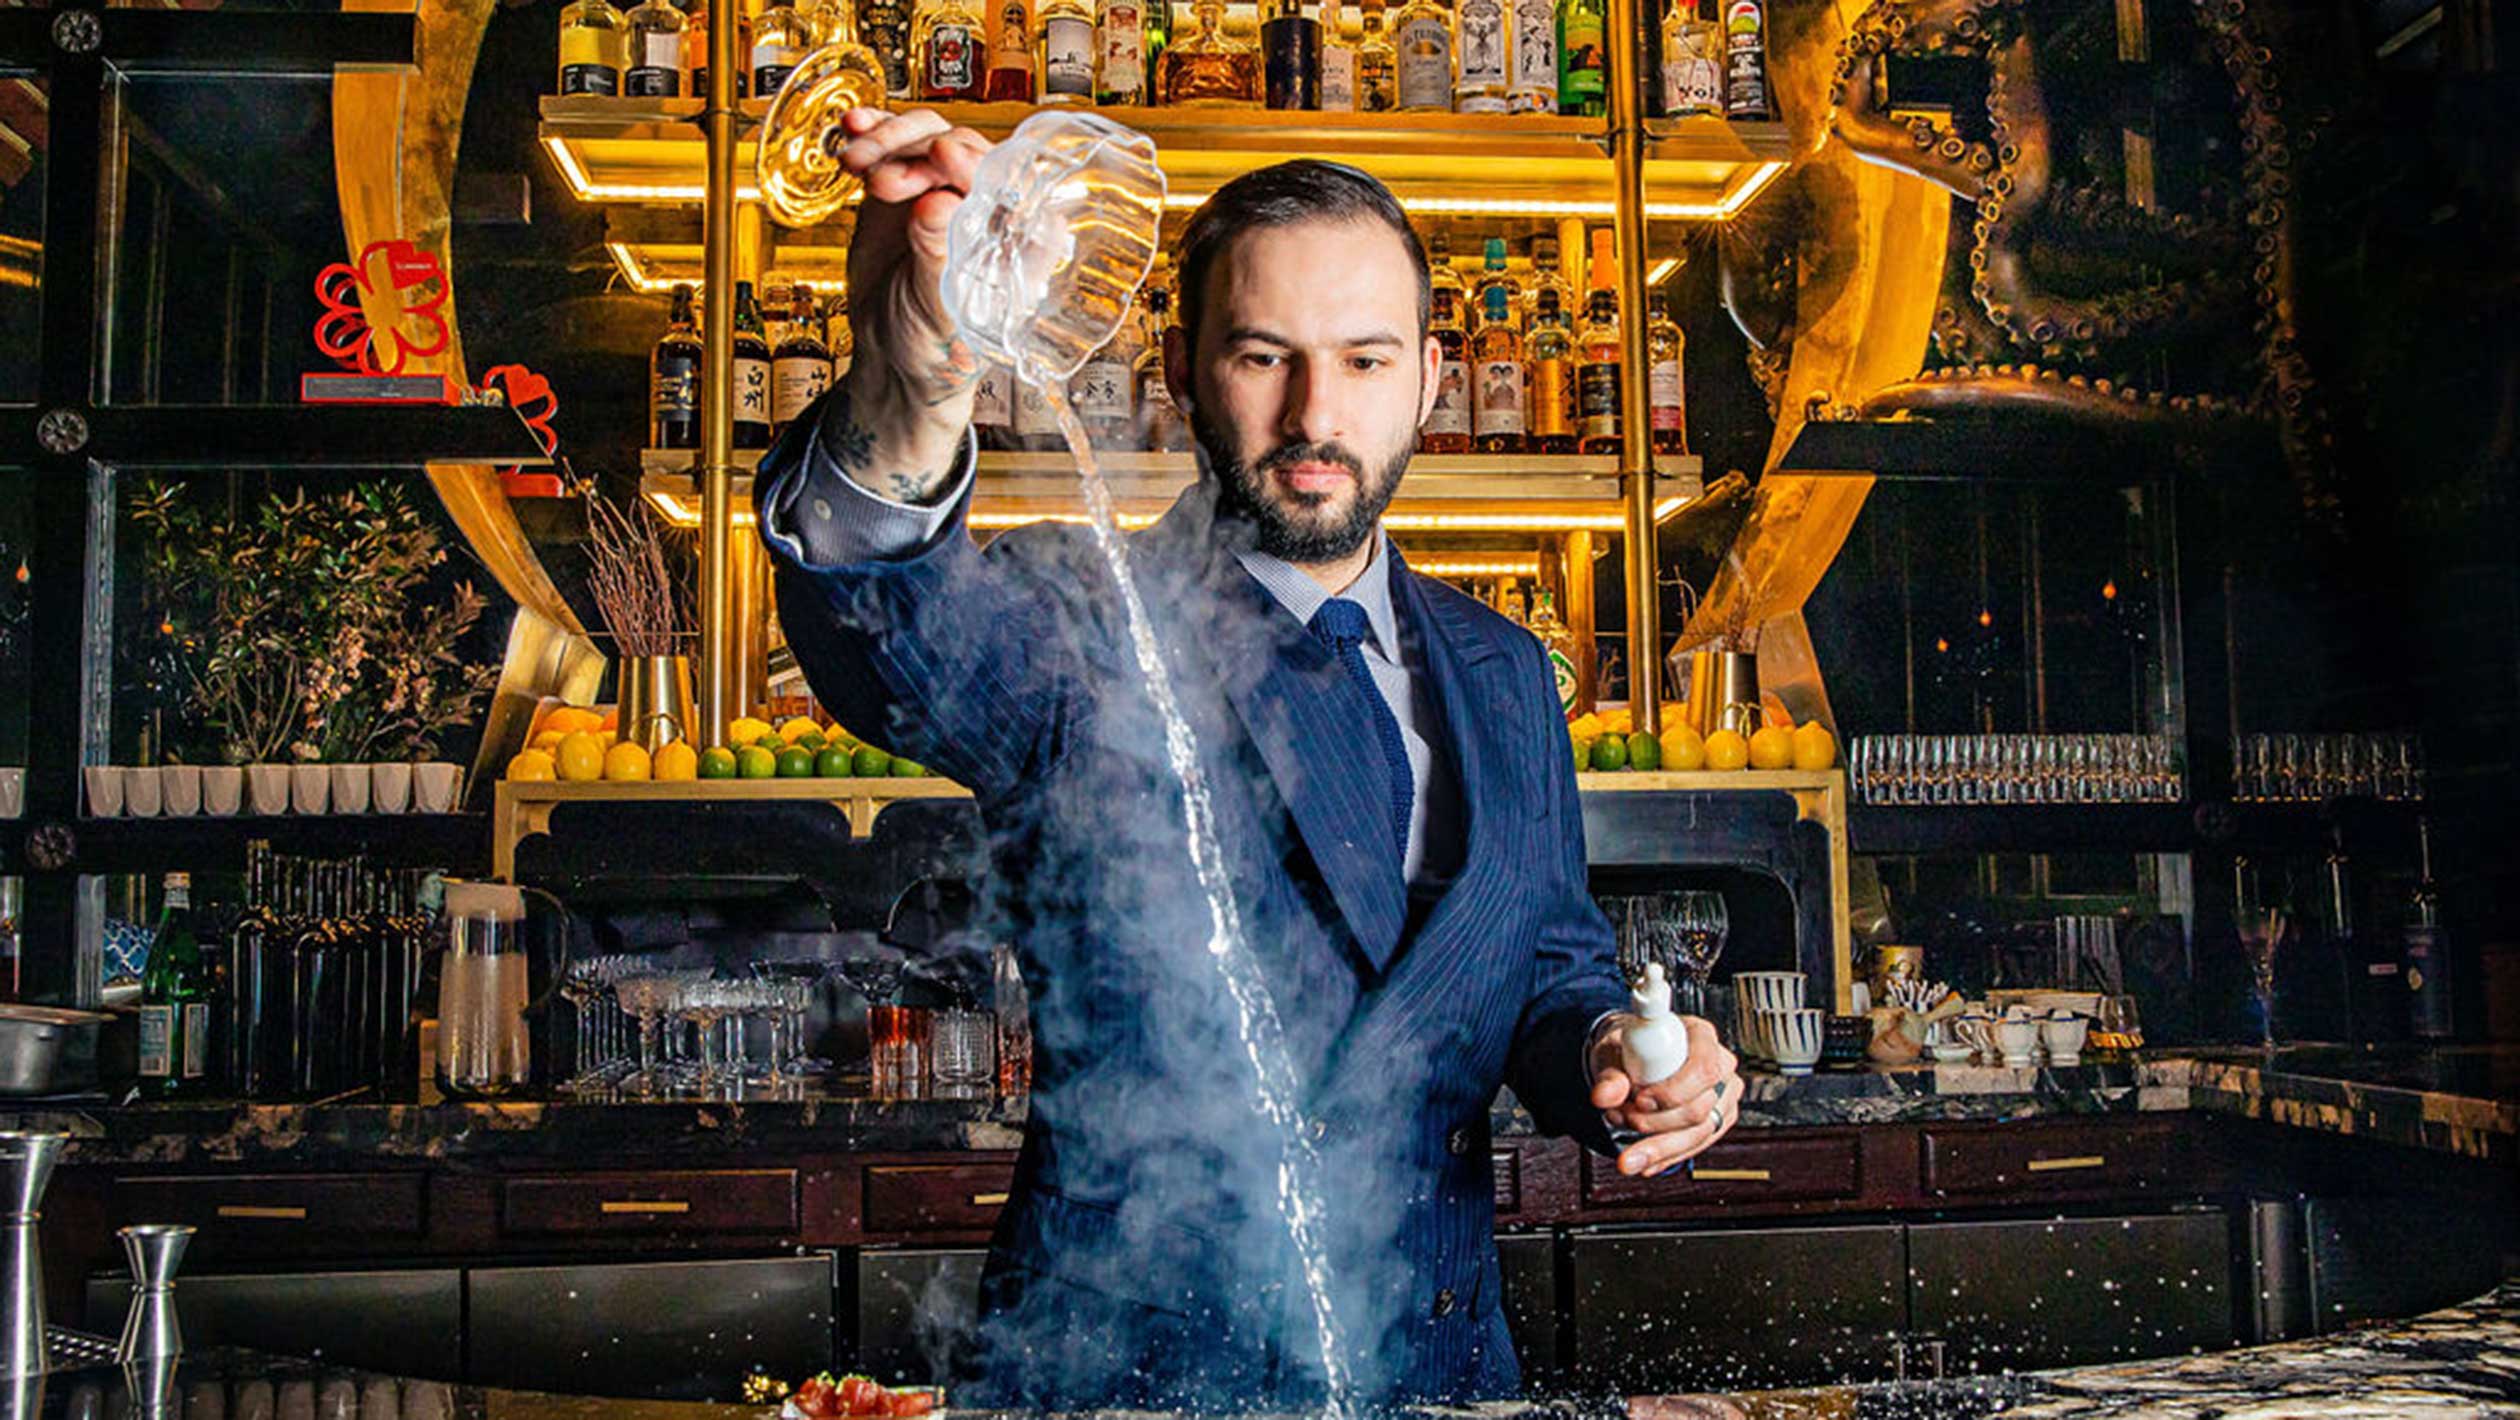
(2020, 1042)
(144, 791)
(433, 787)
(267, 788)
(2064, 1036)
(310, 788)
(104, 790)
(222, 789)
(390, 788)
(12, 792)
(350, 788)
(1798, 1034)
(183, 789)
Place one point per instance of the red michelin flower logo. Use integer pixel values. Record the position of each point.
(407, 287)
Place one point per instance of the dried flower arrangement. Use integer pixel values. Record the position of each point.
(629, 576)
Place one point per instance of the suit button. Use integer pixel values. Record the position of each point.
(1320, 1130)
(1444, 1302)
(1457, 1143)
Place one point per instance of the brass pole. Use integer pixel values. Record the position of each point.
(1636, 459)
(720, 695)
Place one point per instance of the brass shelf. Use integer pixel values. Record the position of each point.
(1541, 165)
(1501, 493)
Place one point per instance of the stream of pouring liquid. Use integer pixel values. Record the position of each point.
(1263, 1035)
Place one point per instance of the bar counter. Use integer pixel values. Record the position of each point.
(2462, 1360)
(2458, 1100)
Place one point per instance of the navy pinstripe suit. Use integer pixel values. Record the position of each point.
(1142, 1260)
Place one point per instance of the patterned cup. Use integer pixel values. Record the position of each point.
(1798, 1035)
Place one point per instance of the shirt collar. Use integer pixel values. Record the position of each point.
(1296, 590)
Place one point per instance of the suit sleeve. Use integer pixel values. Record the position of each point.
(920, 643)
(1575, 978)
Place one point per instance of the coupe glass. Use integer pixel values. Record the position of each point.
(798, 980)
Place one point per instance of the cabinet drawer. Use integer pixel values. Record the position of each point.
(936, 1198)
(711, 1201)
(2013, 1159)
(1737, 1170)
(278, 1210)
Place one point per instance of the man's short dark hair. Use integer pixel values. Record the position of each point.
(1281, 195)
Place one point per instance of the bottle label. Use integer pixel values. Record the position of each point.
(1562, 671)
(589, 79)
(1121, 43)
(1745, 59)
(650, 82)
(768, 77)
(1426, 63)
(1597, 399)
(988, 403)
(1499, 394)
(157, 1041)
(1033, 415)
(1533, 53)
(953, 60)
(196, 1039)
(795, 383)
(1482, 48)
(1451, 414)
(885, 28)
(1669, 413)
(675, 393)
(752, 391)
(1552, 398)
(1338, 79)
(1101, 390)
(1290, 49)
(1067, 58)
(1581, 82)
(1692, 83)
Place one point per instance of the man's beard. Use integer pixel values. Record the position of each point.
(1242, 496)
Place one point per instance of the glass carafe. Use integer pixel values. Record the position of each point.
(486, 980)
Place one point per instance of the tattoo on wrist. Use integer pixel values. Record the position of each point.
(957, 370)
(851, 445)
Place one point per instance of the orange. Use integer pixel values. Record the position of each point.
(676, 760)
(548, 740)
(797, 728)
(628, 760)
(1814, 746)
(581, 757)
(1726, 749)
(569, 719)
(1683, 748)
(1771, 748)
(532, 766)
(611, 720)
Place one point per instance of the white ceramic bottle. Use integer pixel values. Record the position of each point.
(1655, 1044)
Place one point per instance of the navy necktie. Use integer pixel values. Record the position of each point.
(1341, 625)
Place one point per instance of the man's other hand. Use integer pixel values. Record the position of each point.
(1679, 1116)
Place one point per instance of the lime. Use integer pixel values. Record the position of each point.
(754, 762)
(906, 769)
(1644, 752)
(812, 741)
(795, 762)
(870, 763)
(1609, 754)
(771, 742)
(831, 764)
(717, 762)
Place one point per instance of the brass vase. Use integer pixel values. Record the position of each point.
(656, 700)
(1721, 692)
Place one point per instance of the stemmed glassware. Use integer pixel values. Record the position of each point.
(2264, 928)
(588, 987)
(2016, 769)
(796, 980)
(1698, 924)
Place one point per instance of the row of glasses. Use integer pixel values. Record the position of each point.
(2271, 768)
(1682, 931)
(604, 1031)
(2017, 769)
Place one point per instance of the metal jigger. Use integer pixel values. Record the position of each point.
(26, 1165)
(150, 1330)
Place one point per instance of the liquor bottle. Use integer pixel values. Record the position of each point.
(1480, 84)
(836, 335)
(1597, 358)
(1549, 350)
(1447, 428)
(752, 373)
(12, 945)
(1011, 73)
(1493, 275)
(1547, 275)
(1157, 20)
(1496, 377)
(993, 408)
(674, 379)
(952, 48)
(884, 27)
(1161, 429)
(1067, 52)
(1338, 63)
(800, 366)
(1663, 345)
(1531, 79)
(1511, 604)
(1692, 60)
(1583, 55)
(1103, 390)
(1377, 62)
(1290, 54)
(1558, 639)
(1745, 60)
(2427, 949)
(1036, 423)
(1211, 69)
(1120, 52)
(594, 47)
(781, 38)
(1424, 39)
(655, 51)
(696, 48)
(174, 1004)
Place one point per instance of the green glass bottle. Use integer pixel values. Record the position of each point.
(1583, 55)
(174, 1000)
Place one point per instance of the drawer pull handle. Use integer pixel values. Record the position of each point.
(2074, 1161)
(247, 1210)
(646, 1205)
(1729, 1175)
(988, 1200)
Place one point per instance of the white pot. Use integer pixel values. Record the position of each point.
(390, 788)
(310, 789)
(350, 788)
(12, 792)
(183, 789)
(104, 790)
(267, 788)
(222, 789)
(434, 786)
(144, 791)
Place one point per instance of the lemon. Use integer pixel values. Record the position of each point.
(628, 762)
(870, 763)
(794, 726)
(1771, 747)
(717, 762)
(569, 719)
(1609, 754)
(548, 740)
(1620, 721)
(747, 731)
(677, 760)
(532, 766)
(1644, 752)
(1586, 726)
(832, 763)
(1683, 748)
(580, 758)
(1726, 749)
(838, 735)
(754, 762)
(1814, 746)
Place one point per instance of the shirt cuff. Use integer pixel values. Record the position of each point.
(821, 517)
